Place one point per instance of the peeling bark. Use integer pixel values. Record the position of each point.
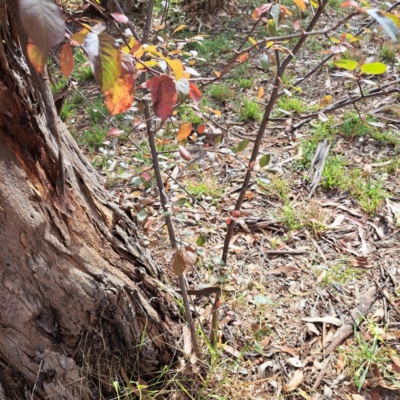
(76, 288)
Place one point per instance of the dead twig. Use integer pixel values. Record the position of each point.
(318, 164)
(346, 330)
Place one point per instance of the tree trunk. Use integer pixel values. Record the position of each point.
(79, 295)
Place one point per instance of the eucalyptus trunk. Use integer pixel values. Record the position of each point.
(79, 296)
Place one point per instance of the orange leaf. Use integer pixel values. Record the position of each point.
(300, 3)
(260, 93)
(201, 128)
(176, 66)
(195, 93)
(243, 57)
(216, 73)
(120, 96)
(36, 57)
(66, 60)
(184, 131)
(164, 96)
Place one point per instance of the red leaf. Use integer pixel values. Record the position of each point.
(260, 10)
(194, 93)
(66, 60)
(146, 176)
(235, 213)
(119, 17)
(114, 132)
(163, 93)
(184, 153)
(120, 96)
(201, 128)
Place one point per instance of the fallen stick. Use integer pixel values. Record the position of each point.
(347, 329)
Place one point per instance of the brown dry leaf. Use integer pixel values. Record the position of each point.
(232, 351)
(284, 349)
(340, 364)
(321, 276)
(338, 220)
(187, 340)
(359, 262)
(312, 328)
(376, 396)
(297, 378)
(280, 270)
(327, 320)
(396, 360)
(367, 169)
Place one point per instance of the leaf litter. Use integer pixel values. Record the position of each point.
(297, 267)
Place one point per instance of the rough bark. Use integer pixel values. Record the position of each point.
(77, 290)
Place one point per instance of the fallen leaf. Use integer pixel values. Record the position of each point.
(187, 340)
(297, 378)
(260, 93)
(184, 131)
(326, 320)
(340, 363)
(280, 270)
(184, 153)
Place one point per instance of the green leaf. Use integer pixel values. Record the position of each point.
(167, 214)
(182, 201)
(375, 68)
(43, 22)
(350, 65)
(242, 145)
(137, 181)
(200, 240)
(264, 160)
(265, 62)
(261, 299)
(104, 57)
(141, 215)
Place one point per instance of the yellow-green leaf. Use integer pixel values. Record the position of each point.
(176, 66)
(179, 28)
(375, 68)
(252, 41)
(350, 65)
(104, 57)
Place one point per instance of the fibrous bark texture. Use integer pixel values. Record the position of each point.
(77, 290)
